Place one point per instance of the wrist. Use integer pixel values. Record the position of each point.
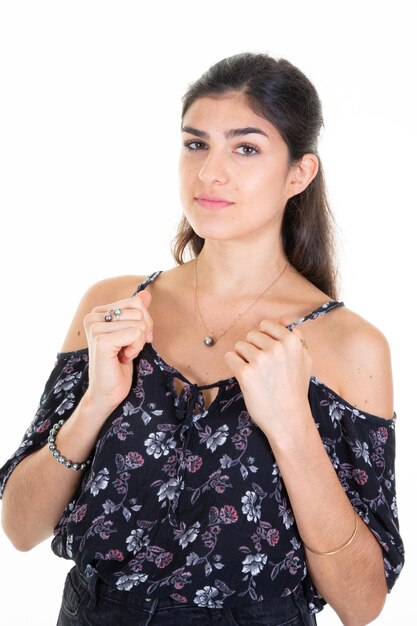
(298, 431)
(78, 435)
(58, 455)
(93, 409)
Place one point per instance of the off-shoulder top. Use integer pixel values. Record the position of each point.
(186, 501)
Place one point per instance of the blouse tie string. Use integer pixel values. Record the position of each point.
(190, 397)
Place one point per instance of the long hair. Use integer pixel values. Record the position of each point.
(278, 91)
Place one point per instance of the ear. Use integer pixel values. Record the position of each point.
(302, 173)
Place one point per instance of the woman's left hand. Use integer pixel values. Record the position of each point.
(273, 368)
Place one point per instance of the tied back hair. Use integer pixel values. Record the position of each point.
(278, 91)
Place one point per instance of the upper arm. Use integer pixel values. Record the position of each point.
(366, 374)
(104, 292)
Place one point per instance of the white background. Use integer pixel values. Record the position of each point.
(89, 138)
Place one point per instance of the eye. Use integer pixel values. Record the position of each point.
(247, 149)
(194, 145)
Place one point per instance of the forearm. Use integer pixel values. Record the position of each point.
(353, 580)
(40, 488)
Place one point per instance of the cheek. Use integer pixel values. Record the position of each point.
(187, 173)
(184, 183)
(260, 189)
(270, 186)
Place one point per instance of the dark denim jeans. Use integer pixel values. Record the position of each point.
(85, 603)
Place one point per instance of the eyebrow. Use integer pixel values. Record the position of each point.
(234, 132)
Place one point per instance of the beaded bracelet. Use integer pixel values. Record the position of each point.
(345, 545)
(56, 453)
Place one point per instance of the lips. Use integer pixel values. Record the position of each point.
(212, 202)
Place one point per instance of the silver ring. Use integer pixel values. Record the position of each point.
(117, 313)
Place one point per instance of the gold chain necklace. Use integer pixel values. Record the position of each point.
(209, 340)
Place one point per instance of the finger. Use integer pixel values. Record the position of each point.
(124, 315)
(132, 350)
(128, 353)
(284, 321)
(124, 358)
(274, 329)
(135, 314)
(131, 309)
(247, 351)
(146, 300)
(105, 328)
(140, 301)
(130, 340)
(259, 339)
(236, 363)
(145, 296)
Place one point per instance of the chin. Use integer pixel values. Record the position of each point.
(213, 227)
(217, 231)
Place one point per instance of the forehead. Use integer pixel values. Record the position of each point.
(223, 112)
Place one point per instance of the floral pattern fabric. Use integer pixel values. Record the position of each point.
(187, 501)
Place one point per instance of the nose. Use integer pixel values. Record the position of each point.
(213, 169)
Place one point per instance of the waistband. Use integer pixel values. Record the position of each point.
(279, 607)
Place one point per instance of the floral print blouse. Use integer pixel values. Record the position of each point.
(186, 501)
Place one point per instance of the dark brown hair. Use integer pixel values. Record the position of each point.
(282, 94)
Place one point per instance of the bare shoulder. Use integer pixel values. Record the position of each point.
(101, 293)
(363, 361)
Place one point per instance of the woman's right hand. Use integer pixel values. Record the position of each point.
(32, 503)
(113, 346)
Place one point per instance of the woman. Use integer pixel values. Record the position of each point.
(237, 468)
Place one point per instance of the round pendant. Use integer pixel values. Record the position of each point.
(208, 341)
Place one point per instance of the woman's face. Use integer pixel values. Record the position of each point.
(235, 178)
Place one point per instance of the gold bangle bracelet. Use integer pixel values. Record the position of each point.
(345, 545)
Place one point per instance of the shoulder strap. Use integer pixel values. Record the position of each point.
(147, 282)
(321, 310)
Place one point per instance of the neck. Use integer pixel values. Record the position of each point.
(225, 271)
